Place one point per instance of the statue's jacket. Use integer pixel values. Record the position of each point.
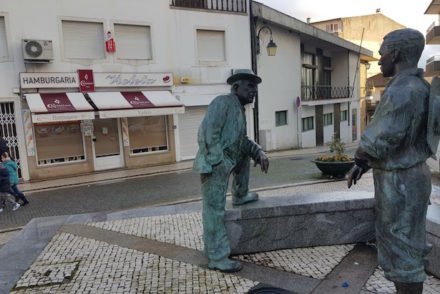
(397, 144)
(396, 138)
(223, 133)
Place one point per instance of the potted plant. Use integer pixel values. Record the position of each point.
(337, 164)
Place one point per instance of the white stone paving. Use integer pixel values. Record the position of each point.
(106, 268)
(315, 262)
(186, 230)
(378, 284)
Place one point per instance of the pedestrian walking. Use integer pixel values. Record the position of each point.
(11, 167)
(5, 187)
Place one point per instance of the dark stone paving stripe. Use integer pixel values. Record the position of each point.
(288, 281)
(354, 269)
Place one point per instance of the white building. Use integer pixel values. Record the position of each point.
(310, 89)
(172, 58)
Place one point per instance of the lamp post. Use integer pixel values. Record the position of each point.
(271, 46)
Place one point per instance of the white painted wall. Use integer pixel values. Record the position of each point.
(340, 68)
(345, 127)
(330, 129)
(308, 138)
(281, 75)
(355, 105)
(173, 39)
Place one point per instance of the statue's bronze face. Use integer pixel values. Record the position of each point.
(246, 92)
(386, 60)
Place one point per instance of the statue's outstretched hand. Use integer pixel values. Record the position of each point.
(262, 160)
(355, 175)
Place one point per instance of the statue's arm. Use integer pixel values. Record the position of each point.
(389, 127)
(256, 152)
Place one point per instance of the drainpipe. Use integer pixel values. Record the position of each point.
(253, 25)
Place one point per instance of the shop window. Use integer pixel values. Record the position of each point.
(328, 119)
(3, 39)
(148, 134)
(211, 46)
(281, 118)
(307, 124)
(59, 143)
(344, 115)
(83, 40)
(133, 41)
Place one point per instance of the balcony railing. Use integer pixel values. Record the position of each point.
(218, 5)
(311, 93)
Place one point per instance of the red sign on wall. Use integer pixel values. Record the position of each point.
(85, 78)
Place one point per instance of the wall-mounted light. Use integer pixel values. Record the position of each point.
(367, 65)
(271, 46)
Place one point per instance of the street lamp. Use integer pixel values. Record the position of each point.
(271, 46)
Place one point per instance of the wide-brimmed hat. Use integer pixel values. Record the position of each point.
(243, 74)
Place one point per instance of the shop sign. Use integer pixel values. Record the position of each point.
(48, 80)
(133, 79)
(86, 83)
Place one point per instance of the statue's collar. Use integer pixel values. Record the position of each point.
(418, 72)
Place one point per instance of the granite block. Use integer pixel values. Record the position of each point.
(433, 237)
(301, 220)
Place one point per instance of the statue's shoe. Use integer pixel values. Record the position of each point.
(225, 265)
(246, 199)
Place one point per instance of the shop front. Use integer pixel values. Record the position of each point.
(70, 133)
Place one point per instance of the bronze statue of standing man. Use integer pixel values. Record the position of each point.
(224, 148)
(395, 144)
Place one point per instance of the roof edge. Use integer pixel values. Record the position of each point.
(281, 19)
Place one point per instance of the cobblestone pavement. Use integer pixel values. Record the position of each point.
(378, 284)
(74, 264)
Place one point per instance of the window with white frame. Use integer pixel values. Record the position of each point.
(332, 28)
(49, 138)
(328, 119)
(3, 39)
(307, 124)
(280, 118)
(211, 46)
(148, 134)
(344, 115)
(83, 40)
(133, 41)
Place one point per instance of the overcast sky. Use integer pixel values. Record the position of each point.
(409, 13)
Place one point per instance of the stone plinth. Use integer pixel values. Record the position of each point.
(433, 237)
(301, 220)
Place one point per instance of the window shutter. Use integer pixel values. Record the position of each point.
(83, 40)
(211, 45)
(3, 40)
(133, 41)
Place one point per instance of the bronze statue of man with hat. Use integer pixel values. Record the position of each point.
(224, 148)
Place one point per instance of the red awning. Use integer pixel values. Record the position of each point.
(52, 107)
(131, 104)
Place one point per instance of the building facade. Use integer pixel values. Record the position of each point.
(433, 62)
(367, 31)
(310, 90)
(113, 84)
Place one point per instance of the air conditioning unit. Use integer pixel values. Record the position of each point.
(37, 51)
